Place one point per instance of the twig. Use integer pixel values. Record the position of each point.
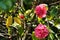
(25, 35)
(21, 3)
(54, 3)
(25, 31)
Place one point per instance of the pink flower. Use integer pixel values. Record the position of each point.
(41, 31)
(41, 10)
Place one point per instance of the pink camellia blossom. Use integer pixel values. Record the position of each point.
(41, 31)
(41, 10)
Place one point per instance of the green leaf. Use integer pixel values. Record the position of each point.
(28, 1)
(58, 26)
(27, 12)
(9, 31)
(2, 6)
(8, 3)
(57, 21)
(29, 15)
(13, 1)
(33, 37)
(22, 9)
(53, 11)
(39, 20)
(53, 28)
(49, 17)
(28, 4)
(20, 30)
(51, 36)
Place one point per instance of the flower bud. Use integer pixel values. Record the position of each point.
(21, 16)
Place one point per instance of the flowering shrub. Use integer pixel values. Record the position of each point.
(29, 20)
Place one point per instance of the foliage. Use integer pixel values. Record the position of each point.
(10, 11)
